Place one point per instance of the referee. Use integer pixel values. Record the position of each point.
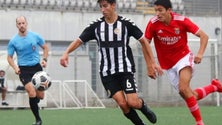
(26, 45)
(117, 66)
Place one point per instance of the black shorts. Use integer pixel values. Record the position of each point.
(119, 82)
(27, 72)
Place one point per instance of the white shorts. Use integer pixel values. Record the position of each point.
(173, 73)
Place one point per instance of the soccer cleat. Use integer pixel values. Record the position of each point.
(37, 123)
(150, 115)
(217, 84)
(5, 103)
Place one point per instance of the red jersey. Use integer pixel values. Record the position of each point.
(170, 40)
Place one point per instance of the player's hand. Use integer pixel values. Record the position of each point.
(44, 63)
(151, 72)
(17, 70)
(154, 71)
(197, 59)
(64, 60)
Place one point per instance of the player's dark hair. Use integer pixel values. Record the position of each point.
(109, 1)
(165, 3)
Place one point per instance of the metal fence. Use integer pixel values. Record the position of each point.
(203, 7)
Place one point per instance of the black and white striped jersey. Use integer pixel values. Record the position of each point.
(115, 54)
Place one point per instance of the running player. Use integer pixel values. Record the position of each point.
(169, 33)
(117, 67)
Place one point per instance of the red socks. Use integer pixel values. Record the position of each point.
(194, 109)
(204, 91)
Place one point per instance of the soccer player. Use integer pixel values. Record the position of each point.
(26, 45)
(117, 67)
(169, 33)
(3, 88)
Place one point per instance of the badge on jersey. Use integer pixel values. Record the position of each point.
(116, 31)
(177, 30)
(33, 48)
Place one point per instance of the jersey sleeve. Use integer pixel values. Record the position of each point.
(40, 40)
(10, 48)
(88, 33)
(134, 30)
(190, 26)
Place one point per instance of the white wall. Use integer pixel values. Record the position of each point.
(69, 25)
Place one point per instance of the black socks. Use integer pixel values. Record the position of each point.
(33, 102)
(133, 116)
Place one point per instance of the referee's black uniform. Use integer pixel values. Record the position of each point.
(115, 54)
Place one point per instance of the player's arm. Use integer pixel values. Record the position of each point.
(74, 45)
(203, 43)
(13, 65)
(45, 54)
(152, 66)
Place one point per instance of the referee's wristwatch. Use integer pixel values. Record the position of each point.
(45, 59)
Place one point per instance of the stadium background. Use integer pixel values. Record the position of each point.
(61, 21)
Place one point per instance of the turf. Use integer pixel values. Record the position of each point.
(108, 116)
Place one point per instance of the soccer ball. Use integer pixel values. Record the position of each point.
(41, 80)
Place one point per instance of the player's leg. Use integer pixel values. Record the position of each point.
(130, 88)
(25, 77)
(4, 90)
(215, 86)
(3, 93)
(138, 103)
(112, 84)
(130, 113)
(33, 102)
(186, 93)
(40, 94)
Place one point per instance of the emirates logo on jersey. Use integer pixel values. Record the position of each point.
(169, 40)
(177, 30)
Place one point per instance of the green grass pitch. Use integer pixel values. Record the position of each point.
(108, 116)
